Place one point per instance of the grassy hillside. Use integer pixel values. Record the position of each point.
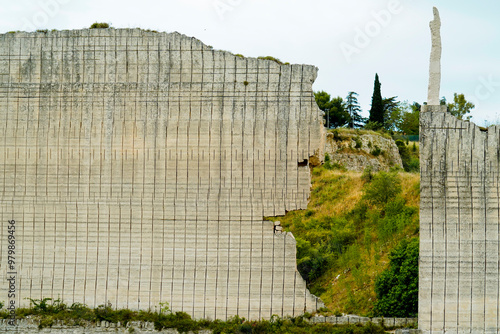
(352, 223)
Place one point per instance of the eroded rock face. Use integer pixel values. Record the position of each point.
(459, 225)
(138, 167)
(356, 151)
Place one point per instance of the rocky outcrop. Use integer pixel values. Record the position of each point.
(356, 149)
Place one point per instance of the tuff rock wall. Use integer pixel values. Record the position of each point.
(459, 288)
(138, 167)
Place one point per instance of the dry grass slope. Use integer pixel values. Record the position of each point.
(344, 241)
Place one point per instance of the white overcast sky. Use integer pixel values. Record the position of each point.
(349, 40)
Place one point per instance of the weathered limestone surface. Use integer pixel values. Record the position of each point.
(341, 148)
(138, 167)
(459, 225)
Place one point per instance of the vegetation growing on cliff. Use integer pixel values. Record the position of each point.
(397, 286)
(98, 25)
(345, 237)
(46, 312)
(409, 155)
(273, 59)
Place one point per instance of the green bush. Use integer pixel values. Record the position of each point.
(97, 25)
(410, 160)
(273, 59)
(396, 217)
(336, 135)
(376, 151)
(311, 261)
(397, 286)
(413, 166)
(367, 174)
(359, 143)
(45, 322)
(331, 166)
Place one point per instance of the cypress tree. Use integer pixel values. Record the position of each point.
(377, 110)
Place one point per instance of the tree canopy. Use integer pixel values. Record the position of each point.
(460, 107)
(391, 111)
(353, 109)
(336, 114)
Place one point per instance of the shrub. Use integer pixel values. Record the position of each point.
(311, 261)
(46, 322)
(410, 160)
(273, 59)
(367, 174)
(359, 143)
(384, 186)
(105, 313)
(331, 166)
(179, 320)
(397, 286)
(327, 161)
(336, 135)
(397, 217)
(376, 151)
(97, 25)
(42, 306)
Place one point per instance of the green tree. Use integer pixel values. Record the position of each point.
(460, 107)
(353, 109)
(397, 286)
(404, 118)
(392, 113)
(334, 108)
(411, 120)
(377, 109)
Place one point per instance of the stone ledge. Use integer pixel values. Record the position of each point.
(408, 331)
(29, 326)
(353, 319)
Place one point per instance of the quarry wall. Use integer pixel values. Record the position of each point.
(137, 168)
(459, 285)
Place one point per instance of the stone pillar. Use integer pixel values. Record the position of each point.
(459, 276)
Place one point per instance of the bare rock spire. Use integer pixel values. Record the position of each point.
(435, 63)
